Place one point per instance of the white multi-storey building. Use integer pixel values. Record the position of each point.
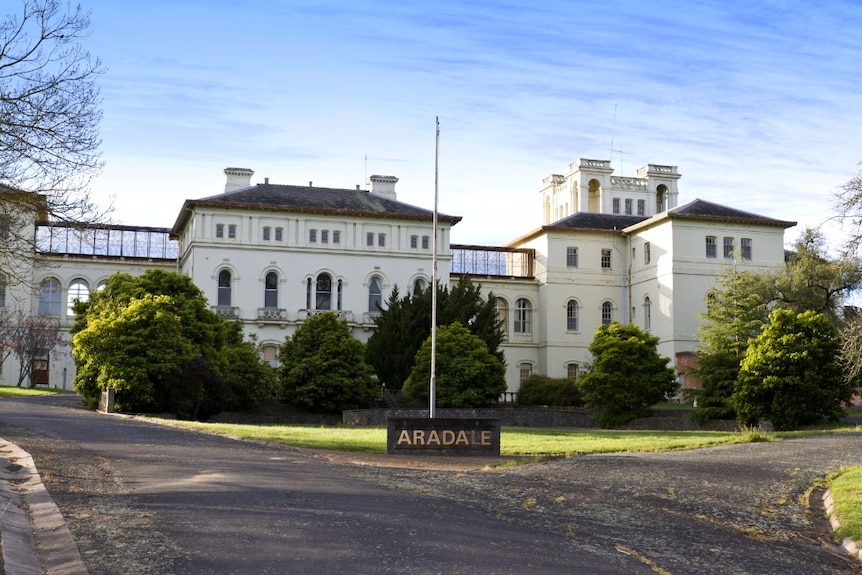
(608, 249)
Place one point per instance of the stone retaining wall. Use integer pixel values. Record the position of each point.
(662, 419)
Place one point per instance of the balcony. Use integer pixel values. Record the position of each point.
(493, 262)
(305, 314)
(271, 314)
(63, 238)
(226, 311)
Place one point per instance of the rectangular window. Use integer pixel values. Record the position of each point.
(606, 259)
(571, 257)
(616, 205)
(312, 236)
(641, 207)
(266, 232)
(231, 231)
(745, 248)
(381, 240)
(369, 239)
(426, 241)
(647, 254)
(711, 247)
(336, 237)
(628, 207)
(414, 242)
(279, 233)
(324, 236)
(270, 355)
(728, 247)
(219, 230)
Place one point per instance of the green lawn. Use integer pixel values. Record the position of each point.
(847, 494)
(513, 440)
(12, 391)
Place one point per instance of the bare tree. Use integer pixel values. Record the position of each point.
(30, 338)
(851, 344)
(50, 111)
(849, 206)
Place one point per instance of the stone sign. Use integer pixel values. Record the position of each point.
(442, 436)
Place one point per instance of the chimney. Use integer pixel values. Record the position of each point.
(383, 186)
(237, 179)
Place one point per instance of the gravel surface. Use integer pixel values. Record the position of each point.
(741, 509)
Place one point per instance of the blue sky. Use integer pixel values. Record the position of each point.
(759, 104)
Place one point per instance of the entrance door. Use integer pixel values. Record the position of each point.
(39, 372)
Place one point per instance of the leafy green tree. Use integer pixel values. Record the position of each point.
(735, 313)
(136, 348)
(399, 331)
(738, 308)
(790, 373)
(322, 367)
(627, 376)
(155, 341)
(251, 382)
(467, 373)
(811, 281)
(405, 323)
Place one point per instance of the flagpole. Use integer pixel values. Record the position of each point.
(432, 405)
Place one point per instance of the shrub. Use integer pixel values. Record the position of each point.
(543, 390)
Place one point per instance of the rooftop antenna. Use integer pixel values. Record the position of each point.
(366, 170)
(613, 135)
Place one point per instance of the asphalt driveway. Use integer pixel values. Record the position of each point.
(144, 498)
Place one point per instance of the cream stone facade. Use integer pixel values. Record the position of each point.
(608, 248)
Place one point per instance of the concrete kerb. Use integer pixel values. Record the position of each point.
(33, 533)
(848, 544)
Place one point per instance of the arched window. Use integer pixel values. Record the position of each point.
(502, 314)
(270, 290)
(419, 286)
(375, 295)
(49, 297)
(594, 196)
(340, 293)
(101, 285)
(224, 288)
(607, 313)
(572, 316)
(523, 316)
(79, 290)
(270, 354)
(647, 313)
(323, 289)
(661, 199)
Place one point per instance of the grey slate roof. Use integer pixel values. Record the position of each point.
(598, 222)
(313, 200)
(619, 223)
(701, 209)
